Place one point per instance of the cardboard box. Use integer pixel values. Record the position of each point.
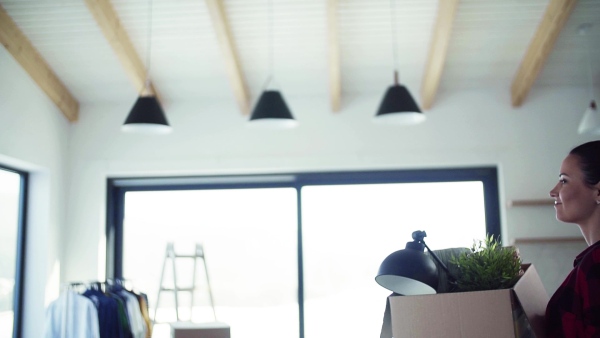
(200, 330)
(516, 312)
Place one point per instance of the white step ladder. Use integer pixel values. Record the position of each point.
(172, 257)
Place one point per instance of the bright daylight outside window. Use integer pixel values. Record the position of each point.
(10, 184)
(349, 229)
(250, 241)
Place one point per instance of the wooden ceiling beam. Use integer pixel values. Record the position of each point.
(227, 45)
(335, 73)
(19, 46)
(117, 37)
(438, 50)
(553, 21)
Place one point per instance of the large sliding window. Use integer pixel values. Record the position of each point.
(290, 255)
(13, 187)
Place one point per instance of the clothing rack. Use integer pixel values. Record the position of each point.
(97, 283)
(106, 308)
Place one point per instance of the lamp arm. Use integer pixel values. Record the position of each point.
(437, 259)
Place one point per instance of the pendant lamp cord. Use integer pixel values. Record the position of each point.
(270, 28)
(394, 38)
(590, 71)
(270, 44)
(149, 46)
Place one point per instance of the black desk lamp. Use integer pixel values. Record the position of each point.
(411, 271)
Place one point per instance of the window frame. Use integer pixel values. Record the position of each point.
(118, 186)
(19, 287)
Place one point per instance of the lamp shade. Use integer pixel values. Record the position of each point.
(146, 116)
(409, 271)
(399, 107)
(590, 123)
(272, 112)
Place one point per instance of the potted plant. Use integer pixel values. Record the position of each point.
(486, 266)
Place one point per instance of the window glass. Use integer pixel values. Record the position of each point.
(10, 184)
(250, 241)
(349, 223)
(349, 229)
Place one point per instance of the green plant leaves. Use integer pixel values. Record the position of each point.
(487, 266)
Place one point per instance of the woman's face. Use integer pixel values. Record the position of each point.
(575, 201)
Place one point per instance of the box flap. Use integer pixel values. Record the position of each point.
(533, 298)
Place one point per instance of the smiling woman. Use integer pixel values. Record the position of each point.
(572, 310)
(10, 184)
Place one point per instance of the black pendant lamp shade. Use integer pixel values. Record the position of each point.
(409, 271)
(399, 107)
(146, 116)
(272, 111)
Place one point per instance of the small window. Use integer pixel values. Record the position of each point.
(12, 199)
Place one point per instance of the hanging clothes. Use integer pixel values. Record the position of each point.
(123, 324)
(113, 313)
(136, 321)
(108, 314)
(143, 299)
(71, 316)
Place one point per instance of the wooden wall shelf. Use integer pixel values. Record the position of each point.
(530, 203)
(544, 240)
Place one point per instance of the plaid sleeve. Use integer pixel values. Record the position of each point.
(574, 309)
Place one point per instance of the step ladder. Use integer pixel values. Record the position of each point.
(171, 258)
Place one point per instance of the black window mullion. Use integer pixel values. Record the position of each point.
(300, 263)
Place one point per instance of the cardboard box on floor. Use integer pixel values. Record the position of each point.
(516, 312)
(200, 330)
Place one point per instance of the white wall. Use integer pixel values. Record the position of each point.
(469, 128)
(34, 137)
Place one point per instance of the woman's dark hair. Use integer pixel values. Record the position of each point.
(589, 159)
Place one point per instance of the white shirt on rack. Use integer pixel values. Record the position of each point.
(71, 316)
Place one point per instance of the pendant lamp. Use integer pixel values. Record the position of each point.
(398, 105)
(147, 116)
(590, 123)
(271, 111)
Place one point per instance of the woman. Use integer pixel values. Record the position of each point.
(574, 309)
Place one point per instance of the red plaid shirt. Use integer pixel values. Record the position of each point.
(574, 309)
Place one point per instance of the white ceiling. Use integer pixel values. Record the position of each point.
(488, 42)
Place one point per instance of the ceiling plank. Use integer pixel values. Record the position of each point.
(438, 50)
(541, 46)
(232, 64)
(113, 31)
(335, 73)
(19, 46)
